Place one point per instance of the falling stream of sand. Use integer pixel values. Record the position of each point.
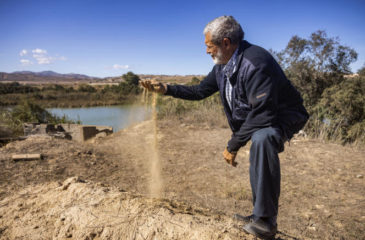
(153, 155)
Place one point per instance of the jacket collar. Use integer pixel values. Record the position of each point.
(233, 65)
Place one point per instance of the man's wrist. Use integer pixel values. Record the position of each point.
(168, 89)
(165, 86)
(231, 151)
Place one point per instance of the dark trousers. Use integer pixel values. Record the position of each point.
(265, 171)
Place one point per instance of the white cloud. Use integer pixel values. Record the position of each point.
(40, 56)
(43, 59)
(39, 51)
(117, 66)
(26, 62)
(23, 52)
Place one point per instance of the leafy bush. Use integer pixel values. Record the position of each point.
(28, 112)
(318, 66)
(131, 79)
(342, 111)
(15, 87)
(86, 88)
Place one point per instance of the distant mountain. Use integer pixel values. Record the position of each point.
(44, 77)
(54, 77)
(54, 74)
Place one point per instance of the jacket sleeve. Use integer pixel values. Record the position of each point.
(261, 90)
(196, 92)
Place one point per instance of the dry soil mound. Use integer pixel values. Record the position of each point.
(85, 210)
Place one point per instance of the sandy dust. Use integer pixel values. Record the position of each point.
(156, 182)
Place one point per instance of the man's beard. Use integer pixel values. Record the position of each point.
(218, 58)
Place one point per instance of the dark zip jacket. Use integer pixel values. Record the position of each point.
(262, 96)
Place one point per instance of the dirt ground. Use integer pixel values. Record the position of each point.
(322, 196)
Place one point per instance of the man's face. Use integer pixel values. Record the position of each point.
(213, 50)
(220, 54)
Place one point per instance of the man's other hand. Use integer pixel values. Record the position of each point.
(230, 157)
(154, 86)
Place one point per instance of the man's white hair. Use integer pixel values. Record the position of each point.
(224, 27)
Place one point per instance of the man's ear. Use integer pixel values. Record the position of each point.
(226, 42)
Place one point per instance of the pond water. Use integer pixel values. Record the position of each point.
(118, 117)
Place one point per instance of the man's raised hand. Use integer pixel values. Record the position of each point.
(154, 86)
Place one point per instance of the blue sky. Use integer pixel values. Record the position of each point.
(109, 38)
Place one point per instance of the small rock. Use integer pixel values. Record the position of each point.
(312, 228)
(327, 213)
(359, 176)
(71, 180)
(338, 224)
(319, 206)
(307, 215)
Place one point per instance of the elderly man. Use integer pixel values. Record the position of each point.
(261, 105)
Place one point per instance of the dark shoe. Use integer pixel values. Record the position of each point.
(244, 219)
(261, 229)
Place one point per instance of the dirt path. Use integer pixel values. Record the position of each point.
(322, 197)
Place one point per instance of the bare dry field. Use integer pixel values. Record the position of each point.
(102, 189)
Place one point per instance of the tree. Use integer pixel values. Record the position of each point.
(317, 67)
(131, 78)
(315, 64)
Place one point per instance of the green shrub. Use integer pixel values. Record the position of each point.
(15, 87)
(86, 88)
(28, 112)
(318, 66)
(341, 111)
(131, 79)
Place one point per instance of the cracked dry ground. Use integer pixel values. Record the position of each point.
(322, 197)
